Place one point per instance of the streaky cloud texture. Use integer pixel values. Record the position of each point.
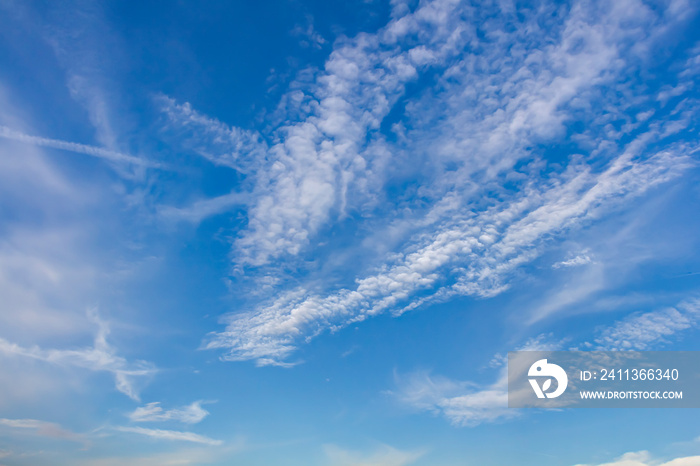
(100, 357)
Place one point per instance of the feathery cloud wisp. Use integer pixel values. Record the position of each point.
(465, 403)
(487, 201)
(644, 458)
(471, 256)
(641, 332)
(172, 435)
(152, 412)
(382, 456)
(582, 259)
(43, 428)
(100, 357)
(93, 151)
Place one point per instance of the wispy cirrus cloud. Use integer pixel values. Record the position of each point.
(483, 207)
(384, 455)
(644, 331)
(173, 457)
(171, 435)
(77, 148)
(462, 403)
(153, 412)
(644, 458)
(221, 144)
(308, 35)
(581, 259)
(43, 428)
(466, 403)
(325, 155)
(471, 256)
(101, 357)
(437, 157)
(202, 209)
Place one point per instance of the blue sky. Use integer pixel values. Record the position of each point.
(307, 233)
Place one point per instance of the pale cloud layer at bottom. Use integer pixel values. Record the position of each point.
(644, 458)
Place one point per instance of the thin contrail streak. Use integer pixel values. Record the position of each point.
(93, 151)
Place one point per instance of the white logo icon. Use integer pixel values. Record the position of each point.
(542, 369)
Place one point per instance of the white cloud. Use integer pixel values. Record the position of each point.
(470, 144)
(321, 160)
(645, 331)
(50, 271)
(687, 461)
(50, 261)
(382, 456)
(171, 435)
(184, 457)
(584, 284)
(43, 278)
(199, 210)
(152, 412)
(457, 252)
(581, 259)
(86, 55)
(50, 256)
(42, 428)
(77, 148)
(466, 403)
(180, 456)
(643, 458)
(309, 36)
(462, 403)
(212, 139)
(100, 357)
